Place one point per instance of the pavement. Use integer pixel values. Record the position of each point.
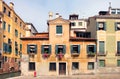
(100, 76)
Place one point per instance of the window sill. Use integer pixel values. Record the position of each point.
(59, 34)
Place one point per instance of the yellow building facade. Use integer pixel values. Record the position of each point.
(12, 28)
(57, 52)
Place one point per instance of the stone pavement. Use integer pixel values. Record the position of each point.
(101, 76)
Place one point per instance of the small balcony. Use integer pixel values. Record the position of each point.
(101, 53)
(60, 55)
(91, 54)
(75, 53)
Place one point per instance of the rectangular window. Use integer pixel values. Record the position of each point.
(80, 23)
(16, 48)
(60, 49)
(73, 24)
(0, 64)
(101, 26)
(90, 65)
(59, 29)
(16, 33)
(118, 63)
(9, 28)
(32, 66)
(4, 25)
(101, 47)
(20, 47)
(5, 47)
(16, 19)
(113, 11)
(20, 24)
(83, 34)
(52, 67)
(5, 58)
(117, 26)
(31, 48)
(101, 63)
(4, 9)
(9, 14)
(118, 11)
(91, 49)
(75, 65)
(118, 47)
(46, 49)
(9, 45)
(75, 48)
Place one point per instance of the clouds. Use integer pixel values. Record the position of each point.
(36, 11)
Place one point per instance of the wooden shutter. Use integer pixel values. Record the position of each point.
(94, 48)
(56, 49)
(42, 49)
(115, 26)
(35, 48)
(105, 26)
(28, 49)
(49, 48)
(64, 49)
(87, 48)
(71, 48)
(78, 48)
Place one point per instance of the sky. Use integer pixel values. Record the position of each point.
(36, 11)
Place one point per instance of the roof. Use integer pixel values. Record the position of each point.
(82, 39)
(35, 38)
(109, 16)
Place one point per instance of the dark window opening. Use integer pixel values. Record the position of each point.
(4, 10)
(75, 65)
(73, 24)
(52, 67)
(32, 66)
(46, 49)
(60, 49)
(83, 34)
(32, 48)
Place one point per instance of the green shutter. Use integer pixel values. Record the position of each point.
(78, 48)
(115, 26)
(42, 49)
(59, 29)
(101, 63)
(101, 47)
(118, 46)
(35, 48)
(28, 49)
(20, 47)
(64, 49)
(118, 62)
(94, 48)
(71, 48)
(49, 48)
(105, 26)
(87, 48)
(56, 49)
(8, 49)
(4, 25)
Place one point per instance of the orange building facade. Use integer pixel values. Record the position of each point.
(56, 52)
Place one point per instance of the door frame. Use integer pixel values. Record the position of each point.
(59, 66)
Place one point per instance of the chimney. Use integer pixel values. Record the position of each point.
(11, 5)
(50, 15)
(57, 15)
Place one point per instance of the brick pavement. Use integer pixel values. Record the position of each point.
(101, 76)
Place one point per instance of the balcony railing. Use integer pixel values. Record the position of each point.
(74, 53)
(91, 54)
(102, 53)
